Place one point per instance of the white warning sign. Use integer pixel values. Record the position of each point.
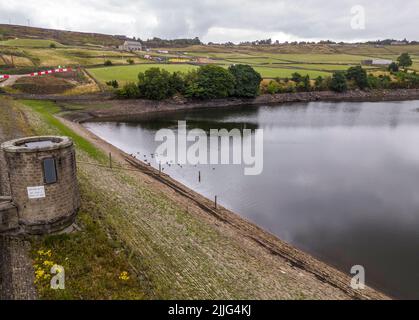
(36, 192)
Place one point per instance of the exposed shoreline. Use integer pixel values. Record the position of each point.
(139, 108)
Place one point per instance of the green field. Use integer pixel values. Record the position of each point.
(267, 72)
(130, 73)
(270, 61)
(79, 56)
(35, 43)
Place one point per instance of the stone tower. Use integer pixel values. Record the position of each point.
(43, 183)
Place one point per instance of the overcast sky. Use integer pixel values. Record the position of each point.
(221, 20)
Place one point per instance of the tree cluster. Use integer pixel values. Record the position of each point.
(207, 82)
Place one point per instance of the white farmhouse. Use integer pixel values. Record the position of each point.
(130, 45)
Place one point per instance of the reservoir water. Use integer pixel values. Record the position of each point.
(340, 180)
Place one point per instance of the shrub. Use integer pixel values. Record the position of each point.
(380, 82)
(129, 91)
(113, 83)
(304, 84)
(273, 87)
(407, 80)
(358, 75)
(130, 61)
(247, 80)
(177, 83)
(290, 87)
(296, 77)
(321, 84)
(52, 45)
(338, 82)
(393, 67)
(108, 63)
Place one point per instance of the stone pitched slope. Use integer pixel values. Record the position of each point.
(16, 273)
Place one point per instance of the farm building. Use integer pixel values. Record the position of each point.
(130, 45)
(399, 43)
(377, 62)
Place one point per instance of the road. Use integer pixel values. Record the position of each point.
(12, 80)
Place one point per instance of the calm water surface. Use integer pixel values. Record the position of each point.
(340, 180)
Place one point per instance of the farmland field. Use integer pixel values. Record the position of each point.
(270, 61)
(78, 56)
(17, 61)
(320, 58)
(130, 73)
(267, 72)
(36, 43)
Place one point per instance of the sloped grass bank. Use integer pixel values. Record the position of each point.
(94, 260)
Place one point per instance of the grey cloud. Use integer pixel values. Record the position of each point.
(300, 19)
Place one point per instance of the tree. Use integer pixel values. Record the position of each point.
(113, 83)
(247, 80)
(320, 84)
(129, 91)
(393, 67)
(318, 81)
(338, 82)
(296, 77)
(405, 60)
(211, 82)
(358, 75)
(306, 85)
(177, 83)
(273, 87)
(155, 84)
(380, 82)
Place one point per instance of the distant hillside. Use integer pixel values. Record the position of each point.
(65, 37)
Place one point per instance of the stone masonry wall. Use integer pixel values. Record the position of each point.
(61, 201)
(4, 179)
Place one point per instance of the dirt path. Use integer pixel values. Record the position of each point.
(12, 79)
(278, 270)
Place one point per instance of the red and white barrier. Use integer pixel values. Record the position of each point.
(4, 76)
(42, 73)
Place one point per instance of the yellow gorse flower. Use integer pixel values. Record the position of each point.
(124, 276)
(42, 266)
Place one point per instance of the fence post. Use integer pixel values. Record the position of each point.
(110, 160)
(215, 202)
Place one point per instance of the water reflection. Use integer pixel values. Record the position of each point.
(340, 180)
